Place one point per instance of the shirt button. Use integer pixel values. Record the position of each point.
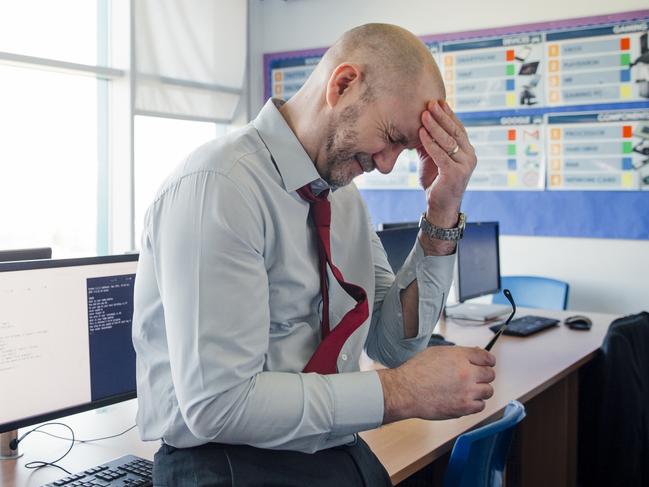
(344, 356)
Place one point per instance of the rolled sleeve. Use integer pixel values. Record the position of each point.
(434, 274)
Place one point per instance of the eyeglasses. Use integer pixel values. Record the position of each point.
(509, 297)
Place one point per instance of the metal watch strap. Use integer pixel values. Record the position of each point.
(433, 231)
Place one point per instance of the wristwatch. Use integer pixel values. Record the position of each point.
(434, 231)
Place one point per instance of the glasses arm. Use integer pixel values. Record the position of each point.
(510, 298)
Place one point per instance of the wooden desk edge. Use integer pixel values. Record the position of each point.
(421, 462)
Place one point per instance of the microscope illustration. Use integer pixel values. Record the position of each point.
(527, 95)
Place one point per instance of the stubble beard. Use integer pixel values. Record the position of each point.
(342, 139)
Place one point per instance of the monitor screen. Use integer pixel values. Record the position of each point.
(478, 262)
(393, 225)
(65, 337)
(398, 243)
(25, 254)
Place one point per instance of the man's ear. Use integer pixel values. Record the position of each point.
(342, 79)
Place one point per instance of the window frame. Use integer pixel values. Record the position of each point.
(115, 223)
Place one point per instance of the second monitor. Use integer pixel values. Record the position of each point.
(478, 265)
(478, 261)
(477, 272)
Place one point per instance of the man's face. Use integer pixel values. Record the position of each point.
(368, 135)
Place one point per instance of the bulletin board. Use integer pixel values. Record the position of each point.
(558, 113)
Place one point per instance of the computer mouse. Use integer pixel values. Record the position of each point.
(578, 322)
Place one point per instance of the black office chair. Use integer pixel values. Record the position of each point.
(613, 412)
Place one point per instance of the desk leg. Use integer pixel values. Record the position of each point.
(545, 447)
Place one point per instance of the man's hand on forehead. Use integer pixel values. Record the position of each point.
(447, 162)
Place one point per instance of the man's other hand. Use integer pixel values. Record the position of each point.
(438, 383)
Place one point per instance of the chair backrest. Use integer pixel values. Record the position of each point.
(534, 292)
(479, 456)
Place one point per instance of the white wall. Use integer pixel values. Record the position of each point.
(605, 275)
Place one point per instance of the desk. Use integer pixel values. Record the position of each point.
(540, 371)
(92, 424)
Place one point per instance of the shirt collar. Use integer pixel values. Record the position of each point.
(293, 163)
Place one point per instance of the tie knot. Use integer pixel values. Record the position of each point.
(320, 206)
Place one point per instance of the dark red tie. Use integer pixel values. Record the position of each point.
(324, 358)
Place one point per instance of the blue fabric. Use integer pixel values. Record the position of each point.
(479, 456)
(534, 292)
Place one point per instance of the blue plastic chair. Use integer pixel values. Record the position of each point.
(478, 458)
(534, 292)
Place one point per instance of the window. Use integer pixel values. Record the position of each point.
(52, 150)
(48, 161)
(82, 147)
(65, 30)
(160, 145)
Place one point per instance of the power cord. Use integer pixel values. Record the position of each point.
(40, 463)
(90, 440)
(13, 444)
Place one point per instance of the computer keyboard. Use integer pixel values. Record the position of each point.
(526, 325)
(126, 471)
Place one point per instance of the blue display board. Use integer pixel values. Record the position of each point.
(588, 214)
(559, 115)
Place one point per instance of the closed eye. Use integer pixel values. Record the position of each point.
(393, 140)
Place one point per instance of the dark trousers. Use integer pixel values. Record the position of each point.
(217, 465)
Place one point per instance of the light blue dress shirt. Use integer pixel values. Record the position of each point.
(227, 301)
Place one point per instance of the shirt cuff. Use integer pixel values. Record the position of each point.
(358, 402)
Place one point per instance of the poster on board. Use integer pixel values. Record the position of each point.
(598, 151)
(493, 74)
(598, 64)
(510, 153)
(549, 72)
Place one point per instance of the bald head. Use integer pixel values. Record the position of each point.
(390, 57)
(364, 102)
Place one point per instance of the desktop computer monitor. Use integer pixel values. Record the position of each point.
(477, 273)
(478, 261)
(477, 265)
(65, 337)
(25, 254)
(398, 243)
(395, 225)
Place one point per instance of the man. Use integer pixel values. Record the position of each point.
(247, 359)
